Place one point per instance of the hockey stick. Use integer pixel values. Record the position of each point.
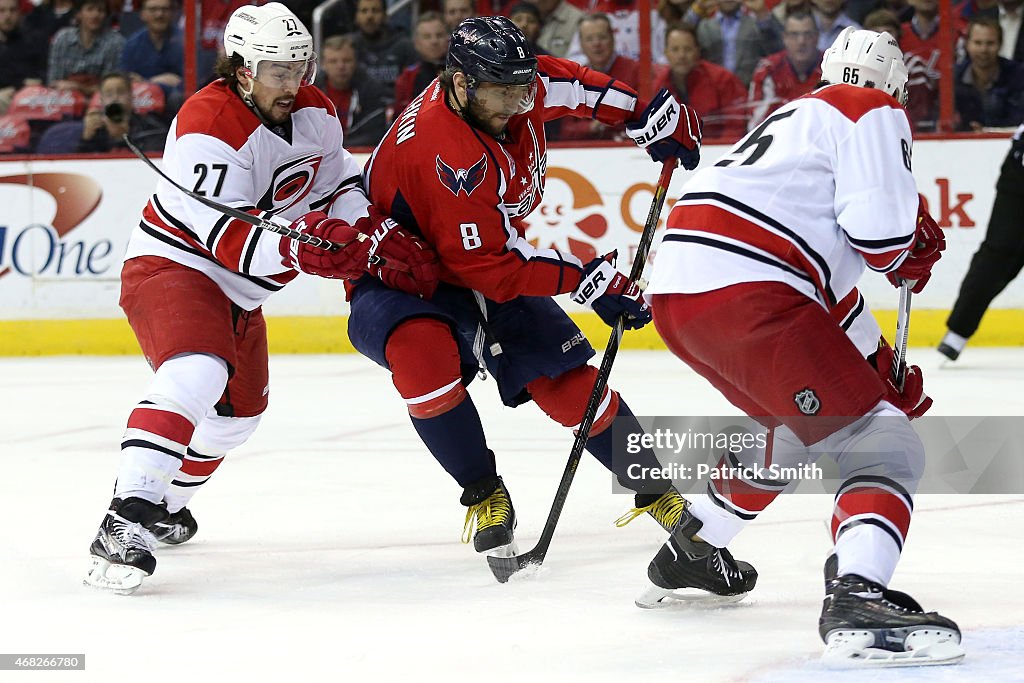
(899, 359)
(505, 567)
(261, 223)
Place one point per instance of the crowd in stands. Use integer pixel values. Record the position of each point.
(78, 74)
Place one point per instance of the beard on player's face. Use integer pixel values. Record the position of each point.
(494, 122)
(274, 104)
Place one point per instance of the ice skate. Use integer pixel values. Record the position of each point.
(177, 528)
(122, 552)
(490, 517)
(666, 509)
(866, 625)
(951, 346)
(692, 571)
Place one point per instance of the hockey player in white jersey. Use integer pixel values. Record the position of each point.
(263, 140)
(754, 288)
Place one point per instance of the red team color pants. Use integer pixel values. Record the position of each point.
(174, 309)
(764, 345)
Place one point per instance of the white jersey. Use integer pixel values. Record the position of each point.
(217, 147)
(820, 189)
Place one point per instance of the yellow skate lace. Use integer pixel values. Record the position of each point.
(666, 510)
(493, 511)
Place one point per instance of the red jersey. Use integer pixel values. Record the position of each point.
(467, 192)
(776, 82)
(921, 56)
(622, 69)
(716, 94)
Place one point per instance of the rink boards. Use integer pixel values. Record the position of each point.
(65, 224)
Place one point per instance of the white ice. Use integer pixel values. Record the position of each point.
(329, 546)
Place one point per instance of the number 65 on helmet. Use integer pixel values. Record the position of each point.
(866, 59)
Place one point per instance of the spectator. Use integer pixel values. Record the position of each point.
(600, 50)
(715, 93)
(360, 100)
(885, 20)
(213, 18)
(977, 8)
(380, 50)
(736, 40)
(599, 54)
(430, 40)
(787, 7)
(989, 89)
(80, 55)
(49, 17)
(559, 22)
(624, 17)
(526, 16)
(1010, 12)
(919, 40)
(22, 55)
(673, 11)
(831, 20)
(103, 127)
(155, 53)
(338, 19)
(790, 73)
(455, 11)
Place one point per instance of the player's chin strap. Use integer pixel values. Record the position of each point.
(246, 96)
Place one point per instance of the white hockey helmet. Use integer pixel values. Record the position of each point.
(270, 33)
(867, 59)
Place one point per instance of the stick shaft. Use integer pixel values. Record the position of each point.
(538, 553)
(899, 359)
(261, 223)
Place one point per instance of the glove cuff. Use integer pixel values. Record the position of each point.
(595, 283)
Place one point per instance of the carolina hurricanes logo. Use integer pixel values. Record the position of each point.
(464, 179)
(76, 197)
(290, 183)
(570, 217)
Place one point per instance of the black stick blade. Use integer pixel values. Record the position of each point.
(504, 567)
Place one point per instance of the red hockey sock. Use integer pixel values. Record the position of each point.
(425, 366)
(564, 398)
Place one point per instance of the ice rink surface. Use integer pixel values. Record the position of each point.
(329, 546)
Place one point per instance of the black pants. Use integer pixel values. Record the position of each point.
(1000, 257)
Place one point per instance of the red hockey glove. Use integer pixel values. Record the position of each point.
(668, 129)
(611, 294)
(912, 400)
(917, 266)
(401, 260)
(346, 262)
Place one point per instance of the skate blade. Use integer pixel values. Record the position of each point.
(924, 647)
(656, 597)
(114, 578)
(510, 550)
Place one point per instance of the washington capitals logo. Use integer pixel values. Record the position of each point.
(464, 179)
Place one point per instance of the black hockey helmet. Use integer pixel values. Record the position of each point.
(492, 50)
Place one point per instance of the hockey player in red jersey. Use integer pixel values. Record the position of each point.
(757, 268)
(263, 140)
(461, 166)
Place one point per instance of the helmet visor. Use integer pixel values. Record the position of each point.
(505, 99)
(282, 75)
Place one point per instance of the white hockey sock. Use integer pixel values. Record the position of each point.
(954, 340)
(868, 551)
(720, 527)
(162, 424)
